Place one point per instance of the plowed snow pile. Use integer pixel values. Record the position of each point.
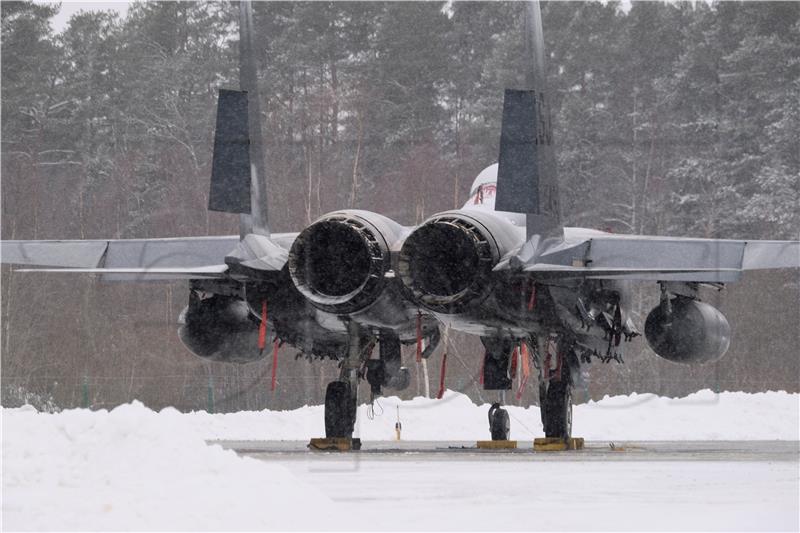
(704, 415)
(133, 468)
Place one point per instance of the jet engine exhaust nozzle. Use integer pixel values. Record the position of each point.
(446, 263)
(339, 263)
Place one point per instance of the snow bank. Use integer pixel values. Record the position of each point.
(704, 415)
(701, 416)
(132, 468)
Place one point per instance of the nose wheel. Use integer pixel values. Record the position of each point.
(496, 376)
(499, 423)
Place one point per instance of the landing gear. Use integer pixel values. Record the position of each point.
(499, 422)
(496, 377)
(556, 408)
(341, 396)
(397, 377)
(388, 370)
(496, 362)
(555, 388)
(340, 410)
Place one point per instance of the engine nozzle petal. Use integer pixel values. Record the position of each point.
(339, 263)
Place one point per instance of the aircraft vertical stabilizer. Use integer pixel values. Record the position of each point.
(527, 180)
(237, 178)
(230, 171)
(248, 82)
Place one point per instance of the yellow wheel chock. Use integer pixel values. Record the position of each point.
(550, 444)
(336, 444)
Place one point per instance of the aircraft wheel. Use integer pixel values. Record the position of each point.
(557, 410)
(340, 410)
(499, 422)
(542, 400)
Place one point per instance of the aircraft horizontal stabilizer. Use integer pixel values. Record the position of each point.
(172, 257)
(707, 275)
(637, 257)
(143, 274)
(77, 254)
(771, 254)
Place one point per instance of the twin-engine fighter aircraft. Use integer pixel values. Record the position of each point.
(502, 268)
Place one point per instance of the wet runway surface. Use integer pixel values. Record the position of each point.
(735, 451)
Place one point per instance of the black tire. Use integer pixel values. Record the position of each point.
(499, 423)
(340, 410)
(542, 400)
(557, 410)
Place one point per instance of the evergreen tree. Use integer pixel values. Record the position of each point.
(668, 119)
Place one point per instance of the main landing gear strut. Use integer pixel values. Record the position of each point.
(555, 389)
(496, 377)
(341, 397)
(555, 360)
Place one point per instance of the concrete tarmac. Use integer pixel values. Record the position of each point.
(735, 451)
(632, 486)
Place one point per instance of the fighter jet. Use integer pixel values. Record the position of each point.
(502, 267)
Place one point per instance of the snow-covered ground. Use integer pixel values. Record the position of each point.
(133, 469)
(701, 416)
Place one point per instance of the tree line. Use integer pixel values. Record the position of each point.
(673, 119)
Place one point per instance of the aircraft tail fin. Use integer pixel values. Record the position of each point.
(526, 178)
(230, 170)
(238, 173)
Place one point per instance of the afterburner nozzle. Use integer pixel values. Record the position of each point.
(339, 263)
(446, 263)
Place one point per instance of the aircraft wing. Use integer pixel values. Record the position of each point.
(125, 259)
(637, 257)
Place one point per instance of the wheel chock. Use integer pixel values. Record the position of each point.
(335, 444)
(550, 444)
(497, 444)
